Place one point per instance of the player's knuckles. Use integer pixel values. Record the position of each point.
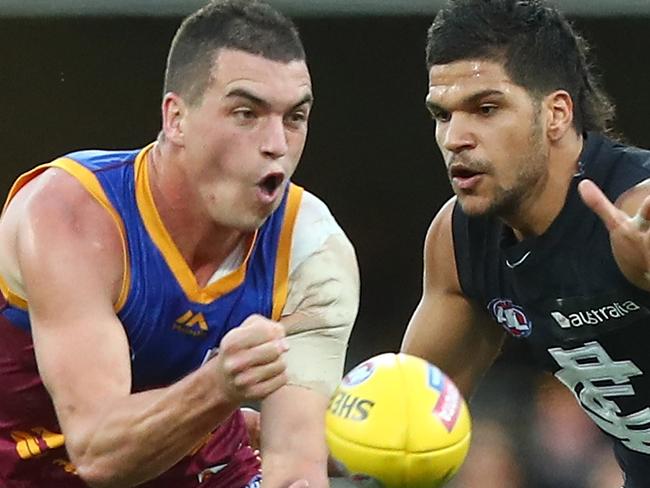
(268, 352)
(236, 363)
(264, 328)
(274, 383)
(229, 342)
(243, 381)
(253, 319)
(259, 374)
(260, 391)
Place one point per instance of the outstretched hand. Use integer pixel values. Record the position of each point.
(629, 236)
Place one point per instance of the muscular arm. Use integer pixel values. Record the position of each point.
(69, 255)
(320, 310)
(447, 329)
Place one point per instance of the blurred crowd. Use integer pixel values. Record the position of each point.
(529, 432)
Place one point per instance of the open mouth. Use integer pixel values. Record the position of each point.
(462, 172)
(463, 178)
(270, 183)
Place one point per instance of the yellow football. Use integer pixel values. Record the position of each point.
(399, 420)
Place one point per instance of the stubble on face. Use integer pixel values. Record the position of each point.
(530, 175)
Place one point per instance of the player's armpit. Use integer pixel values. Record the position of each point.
(447, 329)
(321, 307)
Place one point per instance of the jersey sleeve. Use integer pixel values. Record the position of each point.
(323, 298)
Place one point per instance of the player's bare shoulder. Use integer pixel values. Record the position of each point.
(324, 275)
(441, 224)
(53, 216)
(439, 256)
(317, 230)
(323, 298)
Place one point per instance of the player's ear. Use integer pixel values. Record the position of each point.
(173, 112)
(559, 109)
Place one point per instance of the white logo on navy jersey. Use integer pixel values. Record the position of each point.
(510, 316)
(595, 316)
(518, 261)
(580, 368)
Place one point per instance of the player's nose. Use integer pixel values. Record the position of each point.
(274, 143)
(457, 134)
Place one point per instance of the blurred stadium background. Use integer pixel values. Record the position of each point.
(88, 73)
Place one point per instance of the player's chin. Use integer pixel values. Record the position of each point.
(256, 218)
(474, 205)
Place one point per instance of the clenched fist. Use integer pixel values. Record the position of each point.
(250, 363)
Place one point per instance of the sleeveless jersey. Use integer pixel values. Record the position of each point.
(563, 293)
(173, 325)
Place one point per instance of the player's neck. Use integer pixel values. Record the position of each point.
(543, 204)
(203, 243)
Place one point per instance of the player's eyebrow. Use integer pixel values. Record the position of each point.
(468, 100)
(308, 98)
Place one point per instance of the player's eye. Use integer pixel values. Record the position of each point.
(487, 109)
(440, 115)
(296, 119)
(244, 114)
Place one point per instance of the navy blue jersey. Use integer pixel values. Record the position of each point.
(563, 293)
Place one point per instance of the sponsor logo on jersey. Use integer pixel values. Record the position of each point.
(596, 315)
(448, 406)
(359, 374)
(191, 323)
(510, 316)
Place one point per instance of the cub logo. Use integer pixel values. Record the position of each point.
(510, 316)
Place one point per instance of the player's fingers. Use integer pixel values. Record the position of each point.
(259, 374)
(254, 331)
(259, 391)
(596, 200)
(245, 359)
(257, 320)
(642, 217)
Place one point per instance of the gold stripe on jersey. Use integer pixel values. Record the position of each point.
(173, 257)
(281, 277)
(12, 298)
(90, 182)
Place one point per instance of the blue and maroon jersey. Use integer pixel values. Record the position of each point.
(171, 322)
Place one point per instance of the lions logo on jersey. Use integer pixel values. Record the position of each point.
(510, 316)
